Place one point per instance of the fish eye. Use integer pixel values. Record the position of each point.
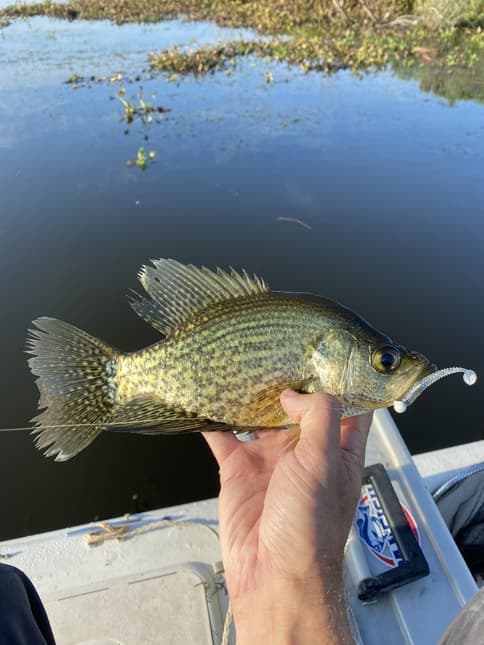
(386, 359)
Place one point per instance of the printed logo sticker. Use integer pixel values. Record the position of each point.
(375, 531)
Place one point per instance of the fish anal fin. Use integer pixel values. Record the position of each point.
(150, 415)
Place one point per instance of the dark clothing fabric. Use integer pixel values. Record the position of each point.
(23, 620)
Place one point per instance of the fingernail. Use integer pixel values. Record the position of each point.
(289, 393)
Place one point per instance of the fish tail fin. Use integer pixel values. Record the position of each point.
(75, 379)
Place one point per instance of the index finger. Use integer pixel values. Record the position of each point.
(354, 435)
(222, 444)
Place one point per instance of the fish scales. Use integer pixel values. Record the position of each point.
(254, 344)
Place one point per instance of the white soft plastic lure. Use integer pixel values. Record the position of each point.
(469, 377)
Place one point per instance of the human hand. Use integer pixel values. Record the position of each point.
(286, 505)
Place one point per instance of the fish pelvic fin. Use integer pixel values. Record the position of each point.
(179, 291)
(75, 380)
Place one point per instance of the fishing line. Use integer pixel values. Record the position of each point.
(108, 424)
(82, 425)
(400, 405)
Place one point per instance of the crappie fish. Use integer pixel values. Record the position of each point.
(230, 347)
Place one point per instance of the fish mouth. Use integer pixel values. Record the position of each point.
(430, 376)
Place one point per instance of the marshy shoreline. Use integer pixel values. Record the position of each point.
(325, 36)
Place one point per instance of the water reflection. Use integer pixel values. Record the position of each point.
(388, 179)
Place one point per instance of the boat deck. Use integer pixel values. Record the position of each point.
(162, 580)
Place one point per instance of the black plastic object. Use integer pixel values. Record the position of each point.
(414, 565)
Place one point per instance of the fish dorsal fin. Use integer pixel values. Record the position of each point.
(179, 291)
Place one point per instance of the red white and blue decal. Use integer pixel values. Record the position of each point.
(375, 531)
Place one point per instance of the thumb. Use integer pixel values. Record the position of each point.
(318, 416)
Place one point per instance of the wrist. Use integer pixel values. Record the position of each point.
(293, 612)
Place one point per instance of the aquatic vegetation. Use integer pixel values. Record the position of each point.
(464, 85)
(316, 35)
(267, 16)
(328, 55)
(144, 111)
(74, 78)
(439, 12)
(424, 54)
(78, 80)
(206, 59)
(142, 158)
(451, 67)
(129, 108)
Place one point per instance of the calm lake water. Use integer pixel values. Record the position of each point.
(387, 179)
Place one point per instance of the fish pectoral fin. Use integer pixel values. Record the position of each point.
(179, 291)
(265, 407)
(150, 415)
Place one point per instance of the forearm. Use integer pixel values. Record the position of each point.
(283, 613)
